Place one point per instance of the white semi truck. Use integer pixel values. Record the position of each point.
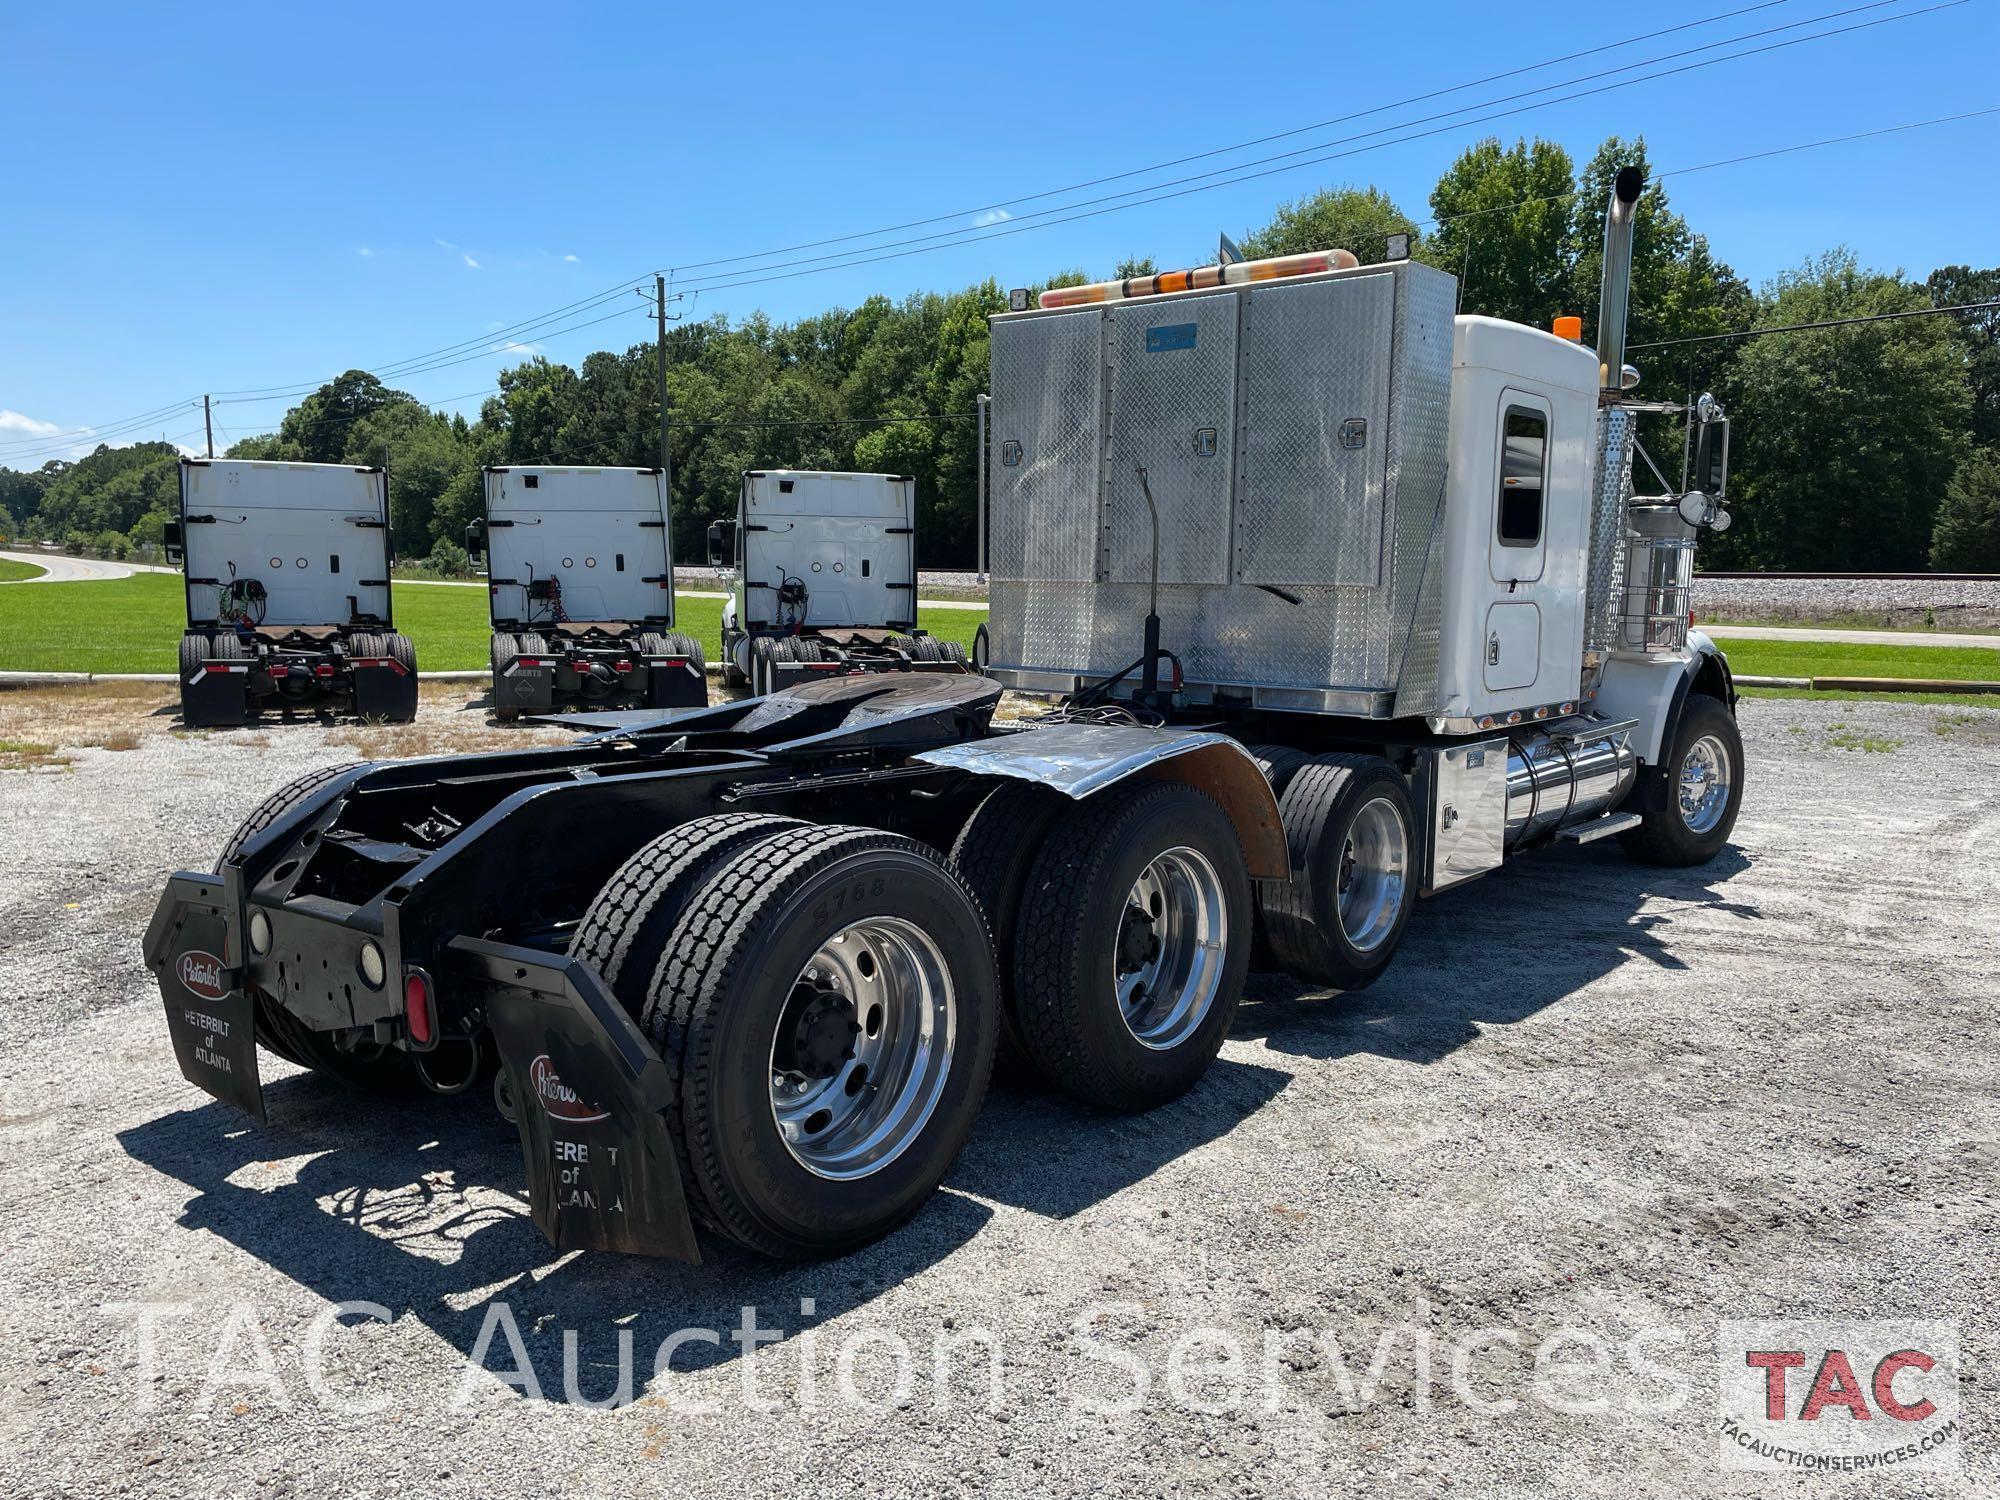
(580, 590)
(821, 568)
(1346, 599)
(287, 584)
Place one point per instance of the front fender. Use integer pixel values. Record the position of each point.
(1080, 760)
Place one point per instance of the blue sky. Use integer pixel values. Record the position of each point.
(247, 197)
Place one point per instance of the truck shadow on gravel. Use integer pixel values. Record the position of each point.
(419, 1206)
(1497, 952)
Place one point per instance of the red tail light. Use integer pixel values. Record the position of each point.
(417, 1007)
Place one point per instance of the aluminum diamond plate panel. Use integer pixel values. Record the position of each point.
(1315, 432)
(1047, 405)
(1351, 628)
(1173, 402)
(1611, 489)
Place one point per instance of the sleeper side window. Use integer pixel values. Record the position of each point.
(1524, 467)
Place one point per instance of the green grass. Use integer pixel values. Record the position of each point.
(134, 625)
(1808, 695)
(1749, 658)
(18, 572)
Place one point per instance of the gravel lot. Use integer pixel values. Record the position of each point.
(1588, 1096)
(1931, 603)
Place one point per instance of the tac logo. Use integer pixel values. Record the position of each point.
(1838, 1395)
(201, 974)
(558, 1098)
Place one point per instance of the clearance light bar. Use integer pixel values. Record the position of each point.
(1202, 278)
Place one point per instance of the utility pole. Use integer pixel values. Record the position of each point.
(208, 425)
(666, 459)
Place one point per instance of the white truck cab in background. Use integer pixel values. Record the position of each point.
(580, 584)
(821, 569)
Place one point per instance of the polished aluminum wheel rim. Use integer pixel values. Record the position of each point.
(1172, 942)
(863, 1048)
(1705, 780)
(1374, 875)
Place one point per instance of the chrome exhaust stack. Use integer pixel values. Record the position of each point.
(1615, 295)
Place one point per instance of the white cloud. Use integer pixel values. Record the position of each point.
(495, 326)
(13, 421)
(468, 260)
(570, 258)
(364, 250)
(511, 347)
(462, 254)
(991, 216)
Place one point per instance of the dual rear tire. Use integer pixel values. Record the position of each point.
(825, 1001)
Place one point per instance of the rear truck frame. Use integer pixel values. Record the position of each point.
(580, 591)
(745, 905)
(821, 569)
(756, 985)
(288, 597)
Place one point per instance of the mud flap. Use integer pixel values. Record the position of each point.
(676, 683)
(588, 1093)
(210, 1017)
(384, 690)
(216, 696)
(531, 689)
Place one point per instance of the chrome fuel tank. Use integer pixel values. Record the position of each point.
(1564, 773)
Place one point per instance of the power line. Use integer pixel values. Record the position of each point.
(1262, 140)
(980, 236)
(418, 364)
(1757, 333)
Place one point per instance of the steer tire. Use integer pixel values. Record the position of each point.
(627, 925)
(388, 1072)
(1663, 836)
(1069, 944)
(995, 851)
(726, 983)
(1302, 914)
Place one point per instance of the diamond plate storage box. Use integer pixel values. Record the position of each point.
(1294, 438)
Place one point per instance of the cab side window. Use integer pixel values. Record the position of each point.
(1524, 462)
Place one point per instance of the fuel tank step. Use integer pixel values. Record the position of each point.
(1600, 828)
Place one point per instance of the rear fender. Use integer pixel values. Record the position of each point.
(1080, 760)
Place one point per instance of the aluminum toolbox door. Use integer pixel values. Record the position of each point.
(1316, 439)
(1173, 402)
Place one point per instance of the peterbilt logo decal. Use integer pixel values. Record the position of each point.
(201, 974)
(557, 1097)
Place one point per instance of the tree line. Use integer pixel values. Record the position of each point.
(1874, 446)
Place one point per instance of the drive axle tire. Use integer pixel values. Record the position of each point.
(1132, 944)
(194, 651)
(626, 928)
(995, 852)
(827, 1008)
(764, 656)
(503, 649)
(380, 1071)
(1700, 779)
(1350, 836)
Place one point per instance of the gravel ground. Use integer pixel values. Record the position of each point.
(1587, 1097)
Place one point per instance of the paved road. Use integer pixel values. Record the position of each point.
(1849, 637)
(63, 569)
